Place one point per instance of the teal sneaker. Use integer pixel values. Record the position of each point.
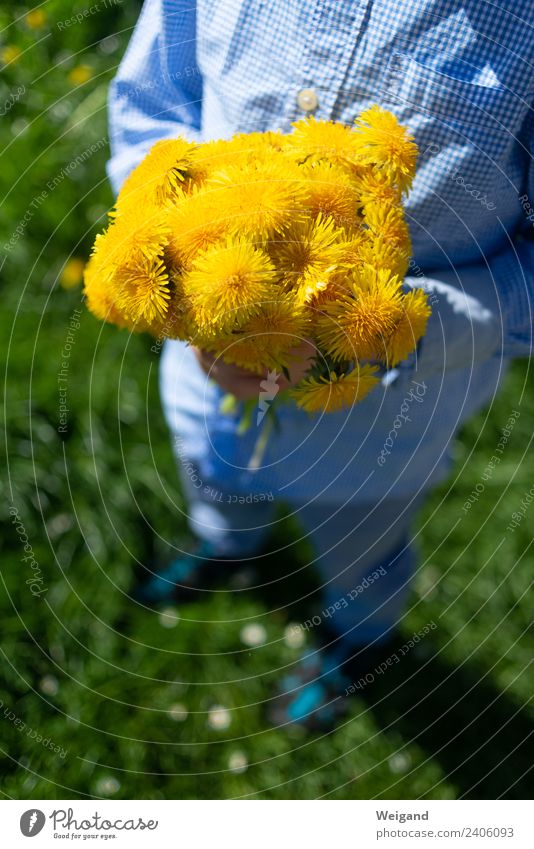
(192, 573)
(315, 694)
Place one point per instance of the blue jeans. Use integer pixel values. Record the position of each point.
(362, 547)
(363, 553)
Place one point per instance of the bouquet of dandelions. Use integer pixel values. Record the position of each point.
(248, 246)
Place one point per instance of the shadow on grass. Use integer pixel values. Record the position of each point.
(481, 738)
(483, 741)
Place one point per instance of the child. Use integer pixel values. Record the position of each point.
(460, 79)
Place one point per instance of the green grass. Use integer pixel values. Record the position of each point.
(98, 675)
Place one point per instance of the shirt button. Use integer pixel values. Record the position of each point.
(307, 99)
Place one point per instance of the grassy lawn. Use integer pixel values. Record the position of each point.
(121, 697)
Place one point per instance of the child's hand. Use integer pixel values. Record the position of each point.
(245, 384)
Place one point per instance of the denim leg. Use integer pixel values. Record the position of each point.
(234, 521)
(365, 559)
(235, 524)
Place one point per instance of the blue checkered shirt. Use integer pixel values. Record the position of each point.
(460, 77)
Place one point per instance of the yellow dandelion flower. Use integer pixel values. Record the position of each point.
(315, 139)
(247, 245)
(311, 248)
(245, 352)
(267, 338)
(10, 53)
(139, 230)
(215, 154)
(129, 255)
(258, 200)
(384, 142)
(177, 323)
(80, 74)
(389, 223)
(330, 192)
(311, 289)
(195, 223)
(373, 187)
(410, 327)
(314, 290)
(72, 273)
(243, 149)
(352, 248)
(228, 283)
(358, 325)
(331, 394)
(281, 326)
(369, 278)
(36, 19)
(269, 140)
(100, 294)
(376, 251)
(159, 176)
(143, 288)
